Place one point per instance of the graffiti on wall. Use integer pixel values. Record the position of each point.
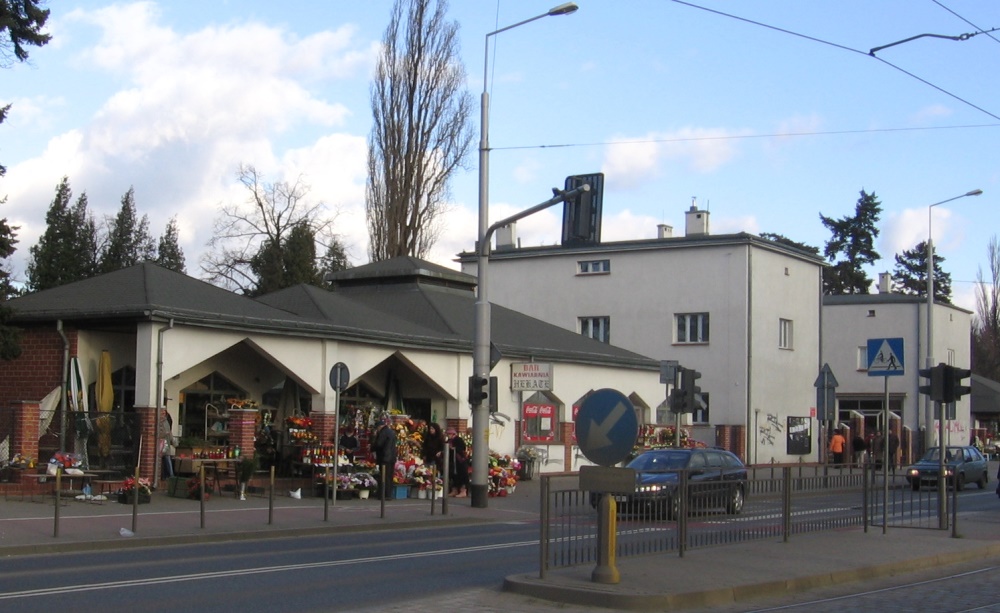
(769, 430)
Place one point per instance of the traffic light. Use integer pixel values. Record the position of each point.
(953, 386)
(692, 393)
(493, 396)
(478, 389)
(677, 400)
(935, 387)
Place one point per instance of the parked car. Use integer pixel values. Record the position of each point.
(716, 479)
(962, 465)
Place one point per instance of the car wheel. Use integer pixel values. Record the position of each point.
(959, 482)
(983, 481)
(736, 499)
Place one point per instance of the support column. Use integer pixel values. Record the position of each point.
(25, 431)
(243, 430)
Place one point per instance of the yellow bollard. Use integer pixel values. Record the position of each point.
(607, 540)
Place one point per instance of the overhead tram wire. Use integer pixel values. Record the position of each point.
(744, 137)
(869, 53)
(988, 33)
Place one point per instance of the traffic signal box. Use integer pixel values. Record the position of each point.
(483, 389)
(945, 382)
(687, 397)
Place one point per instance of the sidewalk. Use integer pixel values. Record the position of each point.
(714, 575)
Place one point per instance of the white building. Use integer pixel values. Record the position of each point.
(850, 321)
(742, 310)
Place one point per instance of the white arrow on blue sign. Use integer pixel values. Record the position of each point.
(885, 357)
(606, 427)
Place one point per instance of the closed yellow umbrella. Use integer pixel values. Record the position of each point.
(105, 393)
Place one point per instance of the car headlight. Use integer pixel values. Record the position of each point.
(913, 472)
(949, 472)
(652, 488)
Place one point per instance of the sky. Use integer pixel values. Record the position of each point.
(767, 113)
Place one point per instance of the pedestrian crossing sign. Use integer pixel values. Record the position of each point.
(885, 357)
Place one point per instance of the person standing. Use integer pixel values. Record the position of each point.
(166, 432)
(837, 445)
(385, 454)
(893, 450)
(858, 447)
(459, 465)
(348, 444)
(432, 449)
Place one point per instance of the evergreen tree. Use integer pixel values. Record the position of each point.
(910, 274)
(129, 241)
(67, 250)
(853, 238)
(268, 267)
(300, 257)
(168, 253)
(334, 260)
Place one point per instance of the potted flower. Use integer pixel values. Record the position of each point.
(364, 483)
(131, 487)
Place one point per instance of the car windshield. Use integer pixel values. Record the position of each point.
(933, 455)
(660, 460)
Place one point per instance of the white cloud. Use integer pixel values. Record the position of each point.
(635, 160)
(189, 108)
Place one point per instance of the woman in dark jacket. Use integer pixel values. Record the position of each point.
(459, 465)
(432, 449)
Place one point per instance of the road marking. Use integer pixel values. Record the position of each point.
(111, 585)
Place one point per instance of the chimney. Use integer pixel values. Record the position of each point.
(664, 231)
(884, 283)
(507, 237)
(695, 221)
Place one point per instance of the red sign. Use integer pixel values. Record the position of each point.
(539, 422)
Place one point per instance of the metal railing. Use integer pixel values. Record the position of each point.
(696, 514)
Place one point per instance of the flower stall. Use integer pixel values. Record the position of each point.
(131, 488)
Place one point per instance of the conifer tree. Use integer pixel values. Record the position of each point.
(910, 274)
(168, 252)
(853, 239)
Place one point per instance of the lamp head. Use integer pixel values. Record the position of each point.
(563, 9)
(975, 192)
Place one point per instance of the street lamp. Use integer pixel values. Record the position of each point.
(928, 409)
(481, 342)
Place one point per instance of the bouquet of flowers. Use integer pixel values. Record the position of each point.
(130, 484)
(363, 481)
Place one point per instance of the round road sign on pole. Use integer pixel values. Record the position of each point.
(606, 427)
(340, 376)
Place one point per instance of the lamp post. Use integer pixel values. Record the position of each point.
(929, 406)
(481, 341)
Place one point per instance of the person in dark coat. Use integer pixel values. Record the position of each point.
(893, 450)
(432, 449)
(459, 464)
(385, 454)
(348, 443)
(859, 447)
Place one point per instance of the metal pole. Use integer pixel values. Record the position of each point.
(201, 491)
(885, 455)
(326, 494)
(479, 486)
(942, 481)
(270, 500)
(55, 526)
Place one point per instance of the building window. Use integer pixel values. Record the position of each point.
(785, 334)
(597, 328)
(862, 358)
(692, 328)
(700, 415)
(594, 267)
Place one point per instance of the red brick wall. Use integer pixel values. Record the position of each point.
(323, 426)
(242, 430)
(24, 434)
(40, 367)
(149, 460)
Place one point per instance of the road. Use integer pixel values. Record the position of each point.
(344, 572)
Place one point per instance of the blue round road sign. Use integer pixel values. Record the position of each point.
(606, 427)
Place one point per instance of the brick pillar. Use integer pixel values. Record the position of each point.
(460, 425)
(243, 430)
(24, 434)
(566, 436)
(149, 458)
(323, 426)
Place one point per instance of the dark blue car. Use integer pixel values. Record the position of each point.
(716, 479)
(962, 465)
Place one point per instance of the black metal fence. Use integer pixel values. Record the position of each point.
(777, 502)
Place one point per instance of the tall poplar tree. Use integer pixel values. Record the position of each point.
(420, 133)
(853, 240)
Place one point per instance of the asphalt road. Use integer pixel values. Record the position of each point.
(343, 572)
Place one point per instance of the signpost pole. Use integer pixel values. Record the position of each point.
(885, 455)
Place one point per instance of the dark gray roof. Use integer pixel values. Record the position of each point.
(876, 299)
(404, 302)
(647, 244)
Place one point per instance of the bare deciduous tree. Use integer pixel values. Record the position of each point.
(986, 331)
(246, 233)
(420, 134)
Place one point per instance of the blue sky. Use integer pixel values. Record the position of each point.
(768, 119)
